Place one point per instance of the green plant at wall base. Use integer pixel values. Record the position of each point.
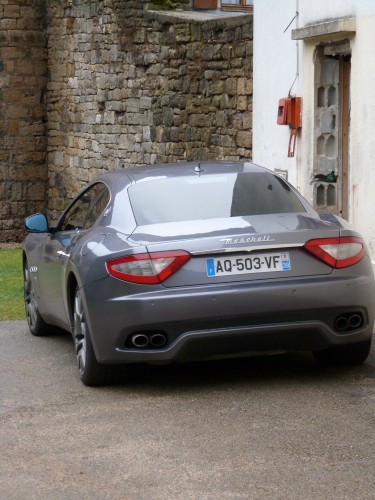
(163, 4)
(11, 285)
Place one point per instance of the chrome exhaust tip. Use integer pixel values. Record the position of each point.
(158, 340)
(140, 340)
(341, 323)
(355, 321)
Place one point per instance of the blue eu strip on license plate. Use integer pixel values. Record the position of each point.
(248, 264)
(210, 267)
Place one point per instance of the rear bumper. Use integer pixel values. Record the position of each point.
(246, 341)
(226, 321)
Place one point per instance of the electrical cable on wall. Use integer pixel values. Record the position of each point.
(297, 50)
(290, 108)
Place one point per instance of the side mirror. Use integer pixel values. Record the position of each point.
(36, 223)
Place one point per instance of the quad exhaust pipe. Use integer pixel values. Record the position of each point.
(140, 340)
(154, 340)
(347, 322)
(158, 340)
(355, 321)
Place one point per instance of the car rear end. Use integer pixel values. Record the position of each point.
(231, 264)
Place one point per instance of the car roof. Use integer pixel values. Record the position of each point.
(131, 174)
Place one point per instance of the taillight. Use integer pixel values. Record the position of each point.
(147, 268)
(337, 252)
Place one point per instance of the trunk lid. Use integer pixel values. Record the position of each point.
(239, 249)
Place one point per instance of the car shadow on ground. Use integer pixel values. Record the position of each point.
(283, 368)
(255, 370)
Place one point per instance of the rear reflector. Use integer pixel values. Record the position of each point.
(147, 268)
(337, 252)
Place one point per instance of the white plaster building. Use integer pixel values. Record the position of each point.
(324, 52)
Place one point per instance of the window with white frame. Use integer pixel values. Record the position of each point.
(233, 5)
(237, 4)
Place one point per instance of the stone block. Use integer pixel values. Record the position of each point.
(244, 139)
(230, 86)
(12, 11)
(8, 24)
(244, 86)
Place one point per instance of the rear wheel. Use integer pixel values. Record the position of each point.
(36, 323)
(91, 372)
(351, 354)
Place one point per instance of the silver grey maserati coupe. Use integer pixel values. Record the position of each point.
(196, 261)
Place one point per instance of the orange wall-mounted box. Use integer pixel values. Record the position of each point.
(282, 111)
(294, 112)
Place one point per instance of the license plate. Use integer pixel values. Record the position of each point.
(248, 264)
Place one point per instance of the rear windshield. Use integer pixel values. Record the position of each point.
(173, 199)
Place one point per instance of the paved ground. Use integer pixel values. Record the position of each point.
(279, 428)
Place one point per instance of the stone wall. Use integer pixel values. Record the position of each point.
(87, 86)
(23, 72)
(130, 86)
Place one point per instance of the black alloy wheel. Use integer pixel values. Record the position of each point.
(36, 323)
(91, 372)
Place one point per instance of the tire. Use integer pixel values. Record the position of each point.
(91, 372)
(36, 323)
(351, 354)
